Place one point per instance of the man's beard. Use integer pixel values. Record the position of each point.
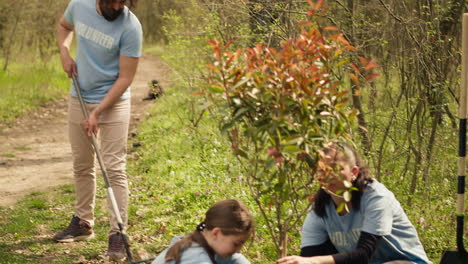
(110, 14)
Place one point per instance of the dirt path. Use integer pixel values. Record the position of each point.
(34, 152)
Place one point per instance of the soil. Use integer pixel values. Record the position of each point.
(35, 153)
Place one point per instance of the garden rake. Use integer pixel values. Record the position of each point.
(110, 192)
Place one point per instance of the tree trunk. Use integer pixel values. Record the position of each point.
(7, 51)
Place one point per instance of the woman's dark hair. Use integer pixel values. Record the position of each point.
(231, 216)
(346, 153)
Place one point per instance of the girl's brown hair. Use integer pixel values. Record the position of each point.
(346, 153)
(231, 216)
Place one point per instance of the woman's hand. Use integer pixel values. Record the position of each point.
(306, 260)
(296, 260)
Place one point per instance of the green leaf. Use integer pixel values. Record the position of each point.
(205, 106)
(340, 207)
(291, 149)
(293, 140)
(347, 196)
(226, 127)
(240, 152)
(242, 82)
(347, 184)
(269, 164)
(310, 161)
(239, 113)
(214, 89)
(338, 128)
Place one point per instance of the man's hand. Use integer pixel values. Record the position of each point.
(68, 64)
(91, 125)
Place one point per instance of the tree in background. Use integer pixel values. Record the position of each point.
(278, 107)
(27, 30)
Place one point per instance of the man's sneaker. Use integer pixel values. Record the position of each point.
(116, 250)
(77, 230)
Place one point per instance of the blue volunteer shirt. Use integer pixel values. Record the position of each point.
(100, 44)
(380, 214)
(198, 255)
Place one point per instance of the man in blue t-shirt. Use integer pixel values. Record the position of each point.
(109, 42)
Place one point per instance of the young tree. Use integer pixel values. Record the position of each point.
(278, 107)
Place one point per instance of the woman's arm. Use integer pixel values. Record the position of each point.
(326, 248)
(326, 253)
(366, 246)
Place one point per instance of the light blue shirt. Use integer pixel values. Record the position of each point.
(380, 214)
(100, 44)
(197, 255)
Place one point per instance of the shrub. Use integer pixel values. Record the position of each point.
(278, 107)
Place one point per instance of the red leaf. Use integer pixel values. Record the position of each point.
(355, 67)
(371, 64)
(354, 78)
(229, 60)
(228, 44)
(372, 77)
(363, 61)
(341, 40)
(304, 23)
(319, 4)
(331, 28)
(213, 43)
(214, 68)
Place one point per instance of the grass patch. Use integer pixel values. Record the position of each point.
(156, 49)
(26, 86)
(22, 148)
(8, 155)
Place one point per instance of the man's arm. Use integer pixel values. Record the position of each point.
(64, 37)
(128, 67)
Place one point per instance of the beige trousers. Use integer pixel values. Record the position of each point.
(112, 138)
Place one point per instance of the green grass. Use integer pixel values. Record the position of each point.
(25, 86)
(157, 50)
(23, 148)
(8, 155)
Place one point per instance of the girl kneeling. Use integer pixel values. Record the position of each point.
(219, 239)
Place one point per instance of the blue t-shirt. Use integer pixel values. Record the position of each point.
(380, 214)
(100, 44)
(197, 255)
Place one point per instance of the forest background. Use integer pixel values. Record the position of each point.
(407, 122)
